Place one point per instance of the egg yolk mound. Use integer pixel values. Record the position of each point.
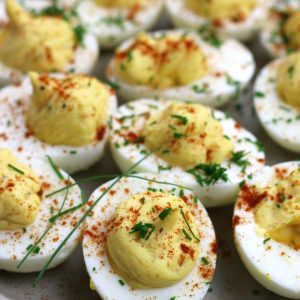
(291, 29)
(70, 111)
(40, 44)
(279, 214)
(146, 241)
(222, 9)
(164, 62)
(118, 3)
(19, 193)
(186, 135)
(288, 80)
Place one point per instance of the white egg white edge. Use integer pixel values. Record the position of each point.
(14, 243)
(274, 265)
(110, 34)
(231, 68)
(99, 268)
(183, 17)
(85, 56)
(285, 6)
(221, 193)
(271, 37)
(280, 120)
(69, 158)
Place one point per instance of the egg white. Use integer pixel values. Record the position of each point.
(276, 266)
(85, 55)
(285, 5)
(280, 120)
(111, 26)
(106, 281)
(231, 68)
(271, 36)
(183, 17)
(14, 243)
(14, 101)
(126, 154)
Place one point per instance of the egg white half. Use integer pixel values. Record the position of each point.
(126, 154)
(85, 55)
(276, 266)
(280, 120)
(15, 243)
(285, 5)
(183, 17)
(14, 100)
(113, 26)
(106, 281)
(271, 36)
(231, 68)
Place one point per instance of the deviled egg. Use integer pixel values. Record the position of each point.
(32, 222)
(205, 149)
(280, 35)
(179, 65)
(148, 240)
(114, 21)
(229, 18)
(277, 103)
(266, 228)
(42, 44)
(64, 117)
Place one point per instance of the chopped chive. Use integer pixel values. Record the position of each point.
(165, 213)
(204, 260)
(188, 225)
(54, 167)
(266, 240)
(121, 282)
(184, 120)
(259, 94)
(15, 169)
(186, 234)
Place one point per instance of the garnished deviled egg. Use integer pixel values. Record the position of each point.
(179, 65)
(148, 240)
(280, 35)
(229, 18)
(32, 222)
(277, 102)
(64, 117)
(114, 21)
(42, 44)
(205, 149)
(266, 228)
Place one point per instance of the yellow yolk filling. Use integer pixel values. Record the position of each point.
(279, 214)
(71, 111)
(163, 255)
(288, 80)
(40, 44)
(19, 193)
(222, 9)
(291, 29)
(118, 3)
(187, 135)
(169, 61)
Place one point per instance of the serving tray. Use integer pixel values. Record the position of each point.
(231, 281)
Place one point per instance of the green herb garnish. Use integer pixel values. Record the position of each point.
(188, 225)
(209, 174)
(165, 213)
(16, 169)
(144, 229)
(238, 158)
(186, 234)
(184, 120)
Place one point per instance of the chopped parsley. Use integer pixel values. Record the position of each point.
(209, 174)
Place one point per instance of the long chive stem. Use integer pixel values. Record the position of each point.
(44, 234)
(188, 225)
(88, 211)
